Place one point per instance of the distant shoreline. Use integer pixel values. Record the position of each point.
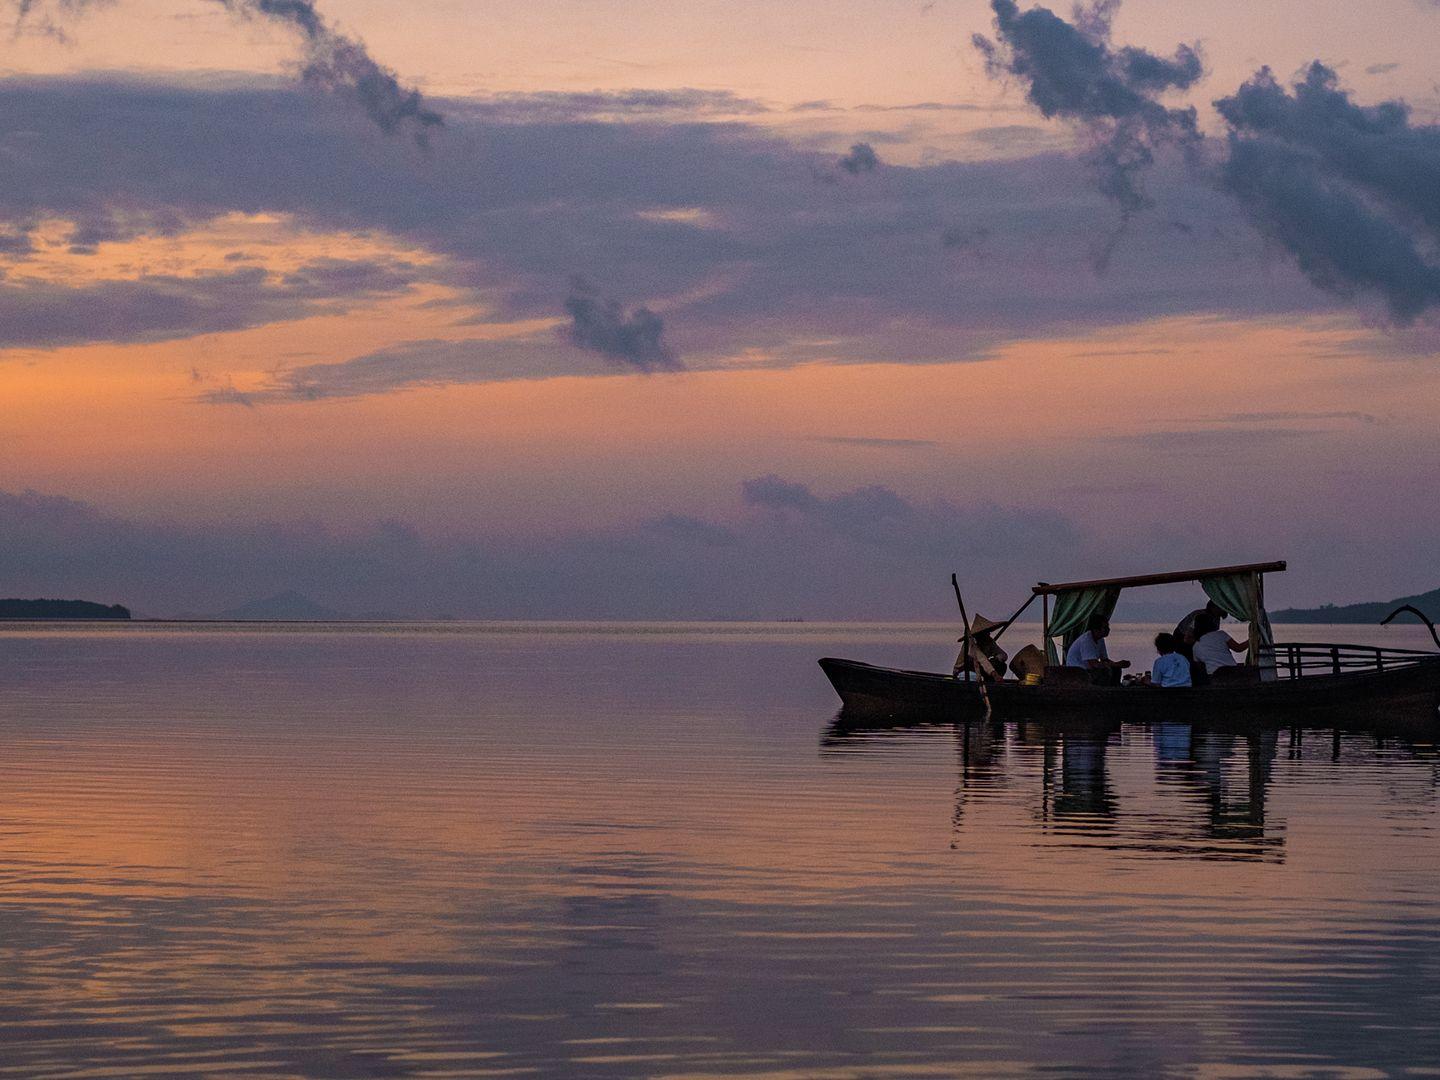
(1353, 614)
(17, 610)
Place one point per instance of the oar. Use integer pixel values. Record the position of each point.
(965, 620)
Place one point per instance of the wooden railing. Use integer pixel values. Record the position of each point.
(1296, 659)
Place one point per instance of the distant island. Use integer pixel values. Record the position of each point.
(61, 609)
(1359, 613)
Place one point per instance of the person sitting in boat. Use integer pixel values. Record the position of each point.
(986, 657)
(1170, 667)
(1185, 628)
(1213, 646)
(1088, 651)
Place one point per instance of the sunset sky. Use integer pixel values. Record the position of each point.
(703, 310)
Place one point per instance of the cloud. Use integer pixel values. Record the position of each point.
(861, 159)
(692, 530)
(877, 443)
(631, 339)
(334, 62)
(783, 548)
(342, 65)
(1213, 441)
(1071, 72)
(969, 239)
(557, 106)
(1279, 416)
(16, 241)
(508, 211)
(1016, 139)
(411, 365)
(879, 517)
(159, 307)
(1381, 69)
(1347, 190)
(820, 563)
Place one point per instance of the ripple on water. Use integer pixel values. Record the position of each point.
(633, 851)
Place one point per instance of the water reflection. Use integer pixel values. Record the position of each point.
(1199, 793)
(478, 851)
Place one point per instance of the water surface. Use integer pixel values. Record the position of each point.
(589, 850)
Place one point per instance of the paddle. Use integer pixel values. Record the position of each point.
(969, 666)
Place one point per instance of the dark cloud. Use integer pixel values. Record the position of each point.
(1348, 190)
(555, 106)
(763, 564)
(334, 62)
(861, 159)
(878, 516)
(47, 17)
(632, 339)
(692, 530)
(1381, 69)
(1015, 139)
(411, 365)
(341, 65)
(966, 238)
(510, 209)
(919, 106)
(1071, 72)
(1283, 415)
(1213, 441)
(158, 307)
(786, 550)
(871, 443)
(775, 493)
(16, 241)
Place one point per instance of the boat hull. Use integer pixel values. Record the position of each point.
(1402, 699)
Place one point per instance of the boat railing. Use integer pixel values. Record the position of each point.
(1294, 660)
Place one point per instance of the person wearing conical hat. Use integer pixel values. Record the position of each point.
(986, 657)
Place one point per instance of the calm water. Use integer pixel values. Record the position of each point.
(612, 851)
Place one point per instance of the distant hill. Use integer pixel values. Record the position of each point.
(61, 609)
(282, 607)
(1359, 613)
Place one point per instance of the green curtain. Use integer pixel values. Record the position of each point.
(1239, 595)
(1072, 611)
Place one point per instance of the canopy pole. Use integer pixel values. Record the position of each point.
(1045, 632)
(996, 631)
(1257, 590)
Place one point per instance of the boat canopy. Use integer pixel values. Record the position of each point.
(1168, 577)
(1239, 591)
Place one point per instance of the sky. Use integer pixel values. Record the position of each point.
(703, 310)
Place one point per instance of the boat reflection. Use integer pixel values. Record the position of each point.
(1166, 789)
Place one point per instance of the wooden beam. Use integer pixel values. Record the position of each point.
(1160, 579)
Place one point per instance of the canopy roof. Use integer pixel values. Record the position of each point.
(1160, 579)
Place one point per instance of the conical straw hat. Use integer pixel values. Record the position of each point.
(979, 624)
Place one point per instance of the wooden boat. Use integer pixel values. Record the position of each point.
(1360, 686)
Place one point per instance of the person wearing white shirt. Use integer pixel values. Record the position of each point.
(1088, 651)
(1213, 646)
